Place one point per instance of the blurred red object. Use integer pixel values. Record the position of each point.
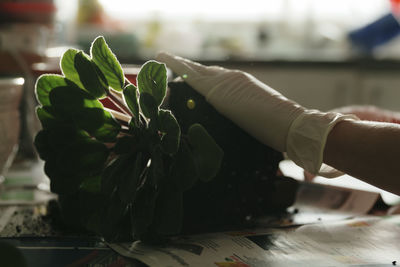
(31, 11)
(395, 4)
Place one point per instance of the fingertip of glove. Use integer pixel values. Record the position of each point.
(164, 56)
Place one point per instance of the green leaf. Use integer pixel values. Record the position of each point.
(90, 119)
(91, 205)
(149, 106)
(152, 79)
(114, 216)
(117, 209)
(61, 183)
(156, 169)
(129, 180)
(67, 101)
(75, 105)
(207, 154)
(74, 163)
(70, 210)
(90, 102)
(142, 212)
(42, 145)
(171, 132)
(80, 69)
(108, 63)
(184, 171)
(64, 136)
(47, 117)
(45, 83)
(99, 123)
(91, 184)
(169, 211)
(86, 157)
(71, 101)
(126, 144)
(68, 66)
(111, 174)
(130, 97)
(109, 131)
(90, 76)
(122, 176)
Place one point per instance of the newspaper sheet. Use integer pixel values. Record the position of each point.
(327, 237)
(319, 202)
(366, 241)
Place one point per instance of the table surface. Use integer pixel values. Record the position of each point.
(27, 228)
(25, 225)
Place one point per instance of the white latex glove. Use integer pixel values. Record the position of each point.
(260, 110)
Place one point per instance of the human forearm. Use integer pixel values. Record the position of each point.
(366, 150)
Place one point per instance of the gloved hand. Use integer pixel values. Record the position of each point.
(260, 110)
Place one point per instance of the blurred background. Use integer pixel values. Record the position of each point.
(322, 54)
(208, 30)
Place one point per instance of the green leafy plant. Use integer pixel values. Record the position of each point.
(118, 172)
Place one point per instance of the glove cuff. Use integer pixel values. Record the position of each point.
(307, 136)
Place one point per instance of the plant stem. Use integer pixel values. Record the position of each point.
(127, 81)
(122, 117)
(123, 123)
(119, 103)
(125, 132)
